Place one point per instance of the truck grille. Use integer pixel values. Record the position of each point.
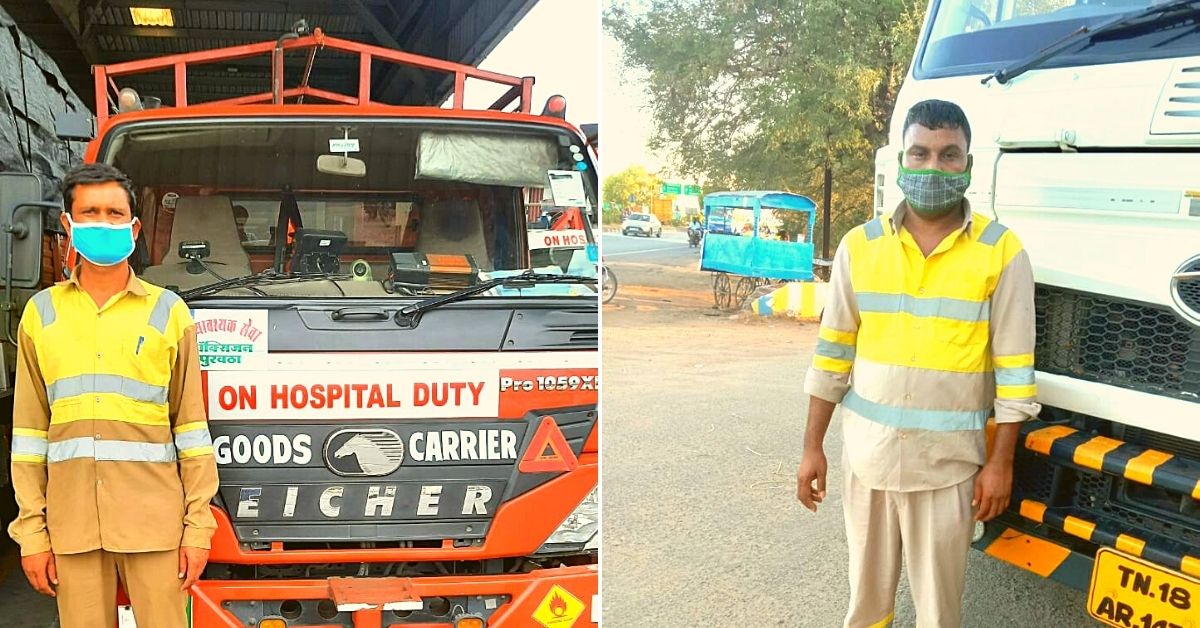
(1138, 507)
(1121, 343)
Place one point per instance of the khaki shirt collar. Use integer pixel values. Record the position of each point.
(133, 286)
(897, 216)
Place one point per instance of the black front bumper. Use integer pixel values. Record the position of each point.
(1076, 490)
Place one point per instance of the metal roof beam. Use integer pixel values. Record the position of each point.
(169, 32)
(326, 61)
(381, 89)
(512, 12)
(319, 7)
(389, 84)
(261, 83)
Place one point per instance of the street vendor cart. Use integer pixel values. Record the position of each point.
(755, 239)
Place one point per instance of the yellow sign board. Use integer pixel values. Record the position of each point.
(1128, 591)
(559, 609)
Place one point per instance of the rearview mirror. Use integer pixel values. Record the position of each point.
(341, 166)
(22, 212)
(78, 127)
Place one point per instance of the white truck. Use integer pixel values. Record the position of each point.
(1085, 119)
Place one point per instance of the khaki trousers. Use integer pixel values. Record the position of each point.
(932, 529)
(87, 589)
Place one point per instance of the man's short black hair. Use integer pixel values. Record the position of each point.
(87, 174)
(938, 114)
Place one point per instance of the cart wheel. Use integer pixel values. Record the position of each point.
(746, 287)
(608, 283)
(722, 291)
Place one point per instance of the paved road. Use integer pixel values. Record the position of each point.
(703, 418)
(670, 250)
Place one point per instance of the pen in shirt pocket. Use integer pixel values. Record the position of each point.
(138, 350)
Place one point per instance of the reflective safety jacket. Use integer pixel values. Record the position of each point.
(111, 448)
(922, 351)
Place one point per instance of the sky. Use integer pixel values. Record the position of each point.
(574, 66)
(626, 125)
(557, 43)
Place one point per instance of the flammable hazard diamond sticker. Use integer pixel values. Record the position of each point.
(559, 609)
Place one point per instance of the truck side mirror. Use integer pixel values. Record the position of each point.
(22, 214)
(78, 127)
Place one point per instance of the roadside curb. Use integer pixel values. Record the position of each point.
(797, 299)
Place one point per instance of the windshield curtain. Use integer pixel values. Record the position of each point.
(981, 36)
(258, 196)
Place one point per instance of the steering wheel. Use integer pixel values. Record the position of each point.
(978, 14)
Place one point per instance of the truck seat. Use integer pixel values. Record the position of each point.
(202, 218)
(454, 227)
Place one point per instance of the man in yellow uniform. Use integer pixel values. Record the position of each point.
(932, 310)
(112, 462)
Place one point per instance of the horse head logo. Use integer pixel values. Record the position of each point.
(370, 452)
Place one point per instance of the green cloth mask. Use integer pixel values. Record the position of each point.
(933, 193)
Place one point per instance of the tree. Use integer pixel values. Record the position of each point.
(634, 182)
(767, 94)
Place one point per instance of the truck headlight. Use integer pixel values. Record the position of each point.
(579, 530)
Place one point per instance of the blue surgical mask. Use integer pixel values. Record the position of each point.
(101, 243)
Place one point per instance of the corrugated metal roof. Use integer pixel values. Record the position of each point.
(463, 31)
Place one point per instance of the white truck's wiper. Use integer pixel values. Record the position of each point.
(409, 312)
(1159, 14)
(267, 276)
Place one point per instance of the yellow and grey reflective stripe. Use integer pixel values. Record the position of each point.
(29, 445)
(835, 350)
(193, 439)
(916, 418)
(161, 314)
(943, 307)
(992, 233)
(110, 450)
(101, 383)
(45, 307)
(1015, 376)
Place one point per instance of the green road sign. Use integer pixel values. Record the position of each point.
(691, 190)
(671, 188)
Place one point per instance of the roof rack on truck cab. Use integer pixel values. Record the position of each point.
(109, 94)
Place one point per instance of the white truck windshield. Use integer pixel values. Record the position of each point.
(981, 36)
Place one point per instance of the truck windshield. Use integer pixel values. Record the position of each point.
(980, 36)
(345, 208)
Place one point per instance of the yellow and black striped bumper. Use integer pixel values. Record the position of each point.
(1114, 457)
(1043, 538)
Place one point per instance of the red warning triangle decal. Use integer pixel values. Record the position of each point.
(548, 451)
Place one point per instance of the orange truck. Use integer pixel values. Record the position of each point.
(404, 412)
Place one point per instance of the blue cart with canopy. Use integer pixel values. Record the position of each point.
(756, 238)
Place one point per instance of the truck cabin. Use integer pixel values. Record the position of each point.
(227, 198)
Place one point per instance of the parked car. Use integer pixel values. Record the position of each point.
(642, 224)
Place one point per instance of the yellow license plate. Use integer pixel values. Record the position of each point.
(1129, 592)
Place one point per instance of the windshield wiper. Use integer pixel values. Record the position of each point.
(528, 278)
(1160, 14)
(248, 281)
